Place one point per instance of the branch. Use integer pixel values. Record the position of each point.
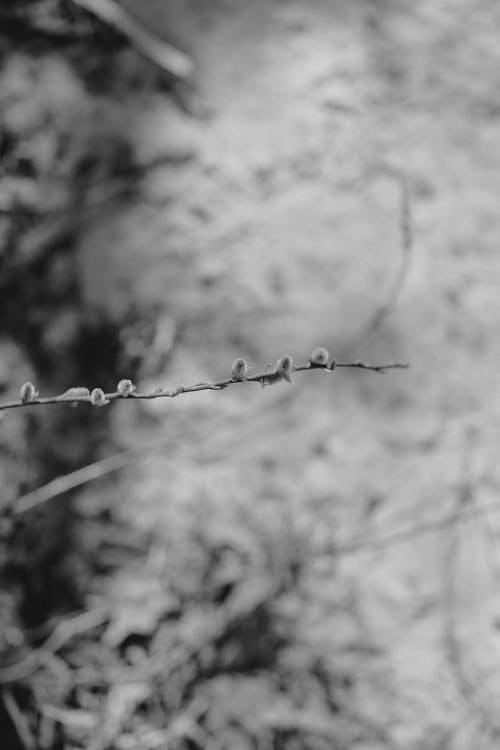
(18, 720)
(62, 484)
(469, 682)
(406, 230)
(163, 54)
(410, 532)
(125, 389)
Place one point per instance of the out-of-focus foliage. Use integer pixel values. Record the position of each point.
(221, 591)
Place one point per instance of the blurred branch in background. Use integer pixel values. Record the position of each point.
(163, 54)
(18, 718)
(41, 22)
(459, 655)
(406, 240)
(124, 459)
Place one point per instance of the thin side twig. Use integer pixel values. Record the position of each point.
(469, 682)
(18, 720)
(120, 460)
(406, 233)
(163, 54)
(413, 531)
(67, 482)
(63, 632)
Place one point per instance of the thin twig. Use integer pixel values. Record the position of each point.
(468, 685)
(63, 632)
(407, 533)
(163, 54)
(267, 377)
(406, 224)
(18, 720)
(67, 482)
(104, 466)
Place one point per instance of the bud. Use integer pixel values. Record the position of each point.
(284, 368)
(125, 388)
(239, 369)
(78, 392)
(98, 397)
(319, 356)
(28, 393)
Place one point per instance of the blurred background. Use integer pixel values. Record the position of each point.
(184, 183)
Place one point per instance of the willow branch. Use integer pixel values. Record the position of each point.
(239, 374)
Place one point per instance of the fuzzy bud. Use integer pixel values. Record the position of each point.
(78, 393)
(28, 393)
(319, 356)
(284, 367)
(98, 397)
(125, 388)
(239, 369)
